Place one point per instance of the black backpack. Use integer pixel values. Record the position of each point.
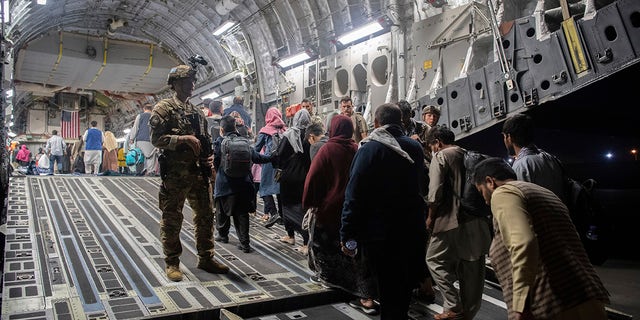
(471, 201)
(235, 153)
(588, 215)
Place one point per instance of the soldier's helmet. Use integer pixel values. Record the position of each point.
(180, 72)
(431, 109)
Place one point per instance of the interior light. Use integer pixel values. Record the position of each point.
(11, 134)
(11, 124)
(223, 27)
(9, 93)
(360, 33)
(210, 95)
(7, 11)
(127, 130)
(293, 59)
(41, 2)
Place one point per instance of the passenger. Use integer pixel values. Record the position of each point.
(269, 187)
(316, 137)
(173, 123)
(238, 106)
(213, 121)
(233, 195)
(92, 138)
(324, 190)
(140, 137)
(24, 156)
(384, 214)
(360, 125)
(39, 155)
(242, 129)
(256, 174)
(109, 152)
(66, 159)
(307, 104)
(213, 124)
(205, 107)
(294, 161)
(542, 267)
(410, 126)
(413, 129)
(55, 149)
(122, 161)
(77, 156)
(459, 242)
(327, 123)
(530, 163)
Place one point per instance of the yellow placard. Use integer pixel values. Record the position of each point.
(575, 46)
(427, 64)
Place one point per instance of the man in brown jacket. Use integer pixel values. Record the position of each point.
(539, 260)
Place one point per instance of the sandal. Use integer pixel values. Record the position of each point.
(448, 315)
(288, 240)
(303, 249)
(374, 309)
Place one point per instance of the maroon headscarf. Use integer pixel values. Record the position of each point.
(273, 122)
(329, 173)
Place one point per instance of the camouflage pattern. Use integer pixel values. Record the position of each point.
(181, 178)
(179, 72)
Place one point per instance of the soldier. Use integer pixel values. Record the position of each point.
(177, 129)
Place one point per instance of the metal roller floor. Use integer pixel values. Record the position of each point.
(87, 247)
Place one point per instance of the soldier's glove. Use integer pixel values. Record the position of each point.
(192, 142)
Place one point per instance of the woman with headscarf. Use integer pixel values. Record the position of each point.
(274, 125)
(324, 190)
(109, 152)
(24, 155)
(294, 161)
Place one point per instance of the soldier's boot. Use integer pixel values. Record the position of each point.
(174, 273)
(212, 266)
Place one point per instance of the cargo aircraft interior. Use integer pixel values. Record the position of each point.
(88, 247)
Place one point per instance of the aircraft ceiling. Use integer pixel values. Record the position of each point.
(62, 44)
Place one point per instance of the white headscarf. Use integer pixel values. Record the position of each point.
(301, 121)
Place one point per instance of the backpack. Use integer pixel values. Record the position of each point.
(588, 216)
(134, 156)
(276, 138)
(214, 128)
(471, 201)
(235, 153)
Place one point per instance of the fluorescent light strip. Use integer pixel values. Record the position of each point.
(291, 60)
(360, 33)
(223, 27)
(42, 2)
(7, 11)
(211, 95)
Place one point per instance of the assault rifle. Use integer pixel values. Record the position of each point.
(206, 149)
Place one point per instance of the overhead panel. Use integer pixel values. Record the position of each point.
(93, 63)
(607, 40)
(630, 13)
(479, 94)
(543, 75)
(459, 106)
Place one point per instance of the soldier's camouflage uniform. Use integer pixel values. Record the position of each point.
(181, 178)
